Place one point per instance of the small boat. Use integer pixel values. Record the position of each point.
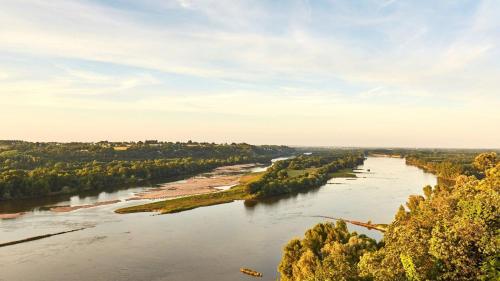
(251, 272)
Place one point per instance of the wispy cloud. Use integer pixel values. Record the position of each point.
(248, 57)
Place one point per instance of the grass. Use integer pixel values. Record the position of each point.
(189, 202)
(298, 173)
(344, 173)
(236, 193)
(192, 202)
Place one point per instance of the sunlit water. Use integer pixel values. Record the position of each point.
(209, 243)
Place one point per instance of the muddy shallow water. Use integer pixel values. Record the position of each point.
(209, 243)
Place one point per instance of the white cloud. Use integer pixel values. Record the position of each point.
(274, 64)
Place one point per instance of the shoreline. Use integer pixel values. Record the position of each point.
(65, 209)
(185, 203)
(214, 181)
(218, 180)
(11, 216)
(238, 192)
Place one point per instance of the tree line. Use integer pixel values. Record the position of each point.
(450, 233)
(42, 169)
(277, 179)
(448, 164)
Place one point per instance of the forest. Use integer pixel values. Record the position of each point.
(445, 164)
(302, 172)
(450, 233)
(30, 169)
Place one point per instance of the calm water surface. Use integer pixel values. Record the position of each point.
(209, 243)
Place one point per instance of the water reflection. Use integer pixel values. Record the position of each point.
(250, 204)
(209, 243)
(87, 197)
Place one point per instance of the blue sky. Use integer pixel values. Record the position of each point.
(348, 73)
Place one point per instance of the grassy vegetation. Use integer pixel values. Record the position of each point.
(192, 202)
(189, 202)
(284, 177)
(344, 173)
(297, 173)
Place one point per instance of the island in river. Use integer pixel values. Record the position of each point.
(284, 177)
(203, 244)
(219, 179)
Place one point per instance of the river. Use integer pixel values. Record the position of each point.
(209, 243)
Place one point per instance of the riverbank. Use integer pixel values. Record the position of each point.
(386, 155)
(216, 180)
(290, 180)
(344, 173)
(191, 202)
(11, 216)
(221, 239)
(64, 209)
(219, 179)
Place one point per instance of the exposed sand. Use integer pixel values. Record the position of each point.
(189, 187)
(233, 169)
(211, 182)
(11, 216)
(385, 155)
(62, 209)
(219, 179)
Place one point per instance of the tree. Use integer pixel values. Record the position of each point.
(485, 161)
(450, 234)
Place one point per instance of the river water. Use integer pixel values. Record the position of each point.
(209, 243)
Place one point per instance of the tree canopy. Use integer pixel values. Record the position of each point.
(302, 172)
(450, 234)
(40, 169)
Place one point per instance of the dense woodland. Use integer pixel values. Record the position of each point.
(39, 169)
(450, 233)
(445, 164)
(302, 172)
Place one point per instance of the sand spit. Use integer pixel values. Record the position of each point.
(233, 169)
(214, 181)
(209, 182)
(191, 186)
(38, 237)
(11, 216)
(63, 209)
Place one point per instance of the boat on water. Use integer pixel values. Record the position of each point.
(251, 272)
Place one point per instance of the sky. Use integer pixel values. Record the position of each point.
(388, 73)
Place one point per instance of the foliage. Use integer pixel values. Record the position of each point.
(485, 161)
(41, 169)
(279, 183)
(450, 234)
(327, 252)
(305, 171)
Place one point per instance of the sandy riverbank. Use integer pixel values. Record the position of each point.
(214, 181)
(63, 209)
(219, 179)
(188, 187)
(11, 216)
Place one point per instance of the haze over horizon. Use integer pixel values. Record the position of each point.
(373, 73)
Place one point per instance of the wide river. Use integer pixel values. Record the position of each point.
(209, 243)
